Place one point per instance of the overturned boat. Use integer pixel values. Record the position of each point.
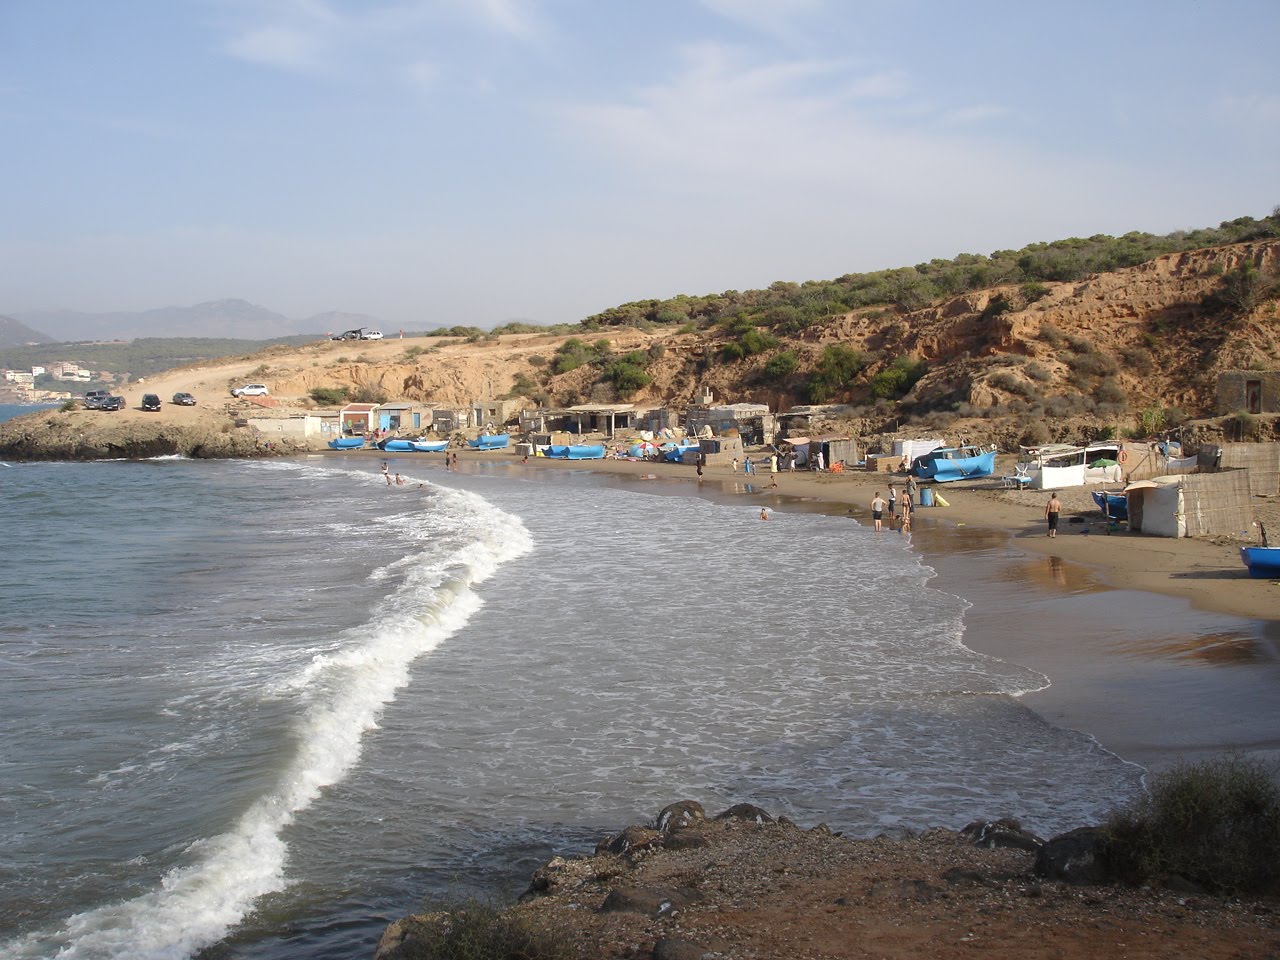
(955, 463)
(491, 441)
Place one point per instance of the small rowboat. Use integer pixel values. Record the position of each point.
(430, 446)
(1263, 562)
(493, 441)
(346, 443)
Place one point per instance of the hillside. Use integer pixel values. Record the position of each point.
(15, 333)
(1132, 351)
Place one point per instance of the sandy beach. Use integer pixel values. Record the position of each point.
(1162, 650)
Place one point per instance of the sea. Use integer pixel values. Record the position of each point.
(258, 709)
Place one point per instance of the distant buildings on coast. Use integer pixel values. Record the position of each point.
(20, 386)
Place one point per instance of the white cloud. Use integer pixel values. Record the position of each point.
(293, 35)
(422, 75)
(775, 17)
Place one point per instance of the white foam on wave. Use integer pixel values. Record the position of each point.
(345, 692)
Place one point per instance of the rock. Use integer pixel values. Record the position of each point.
(1072, 858)
(746, 811)
(990, 834)
(632, 838)
(681, 814)
(649, 901)
(958, 875)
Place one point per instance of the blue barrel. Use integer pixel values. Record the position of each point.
(926, 496)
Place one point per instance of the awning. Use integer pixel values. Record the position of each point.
(1141, 485)
(796, 441)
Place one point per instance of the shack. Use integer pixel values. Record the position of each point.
(1195, 505)
(1249, 391)
(404, 415)
(721, 451)
(1260, 460)
(358, 419)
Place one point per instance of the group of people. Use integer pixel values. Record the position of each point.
(895, 507)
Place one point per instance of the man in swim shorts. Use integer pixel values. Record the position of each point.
(878, 505)
(1051, 511)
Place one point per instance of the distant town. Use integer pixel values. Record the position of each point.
(58, 381)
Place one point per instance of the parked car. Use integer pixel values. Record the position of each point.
(93, 399)
(150, 402)
(183, 400)
(251, 390)
(371, 335)
(110, 403)
(349, 334)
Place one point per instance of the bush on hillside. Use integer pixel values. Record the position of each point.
(1216, 823)
(328, 396)
(898, 378)
(835, 371)
(782, 365)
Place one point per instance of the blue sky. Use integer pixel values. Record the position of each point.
(435, 162)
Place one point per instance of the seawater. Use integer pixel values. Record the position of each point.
(258, 709)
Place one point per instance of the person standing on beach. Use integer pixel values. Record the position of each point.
(773, 465)
(1051, 511)
(893, 500)
(700, 469)
(877, 509)
(907, 506)
(911, 486)
(735, 464)
(748, 467)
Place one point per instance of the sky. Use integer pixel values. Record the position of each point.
(442, 162)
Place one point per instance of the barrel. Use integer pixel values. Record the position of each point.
(926, 496)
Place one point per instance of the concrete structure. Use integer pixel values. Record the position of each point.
(754, 422)
(494, 413)
(605, 418)
(404, 417)
(311, 428)
(720, 451)
(1250, 391)
(446, 421)
(358, 418)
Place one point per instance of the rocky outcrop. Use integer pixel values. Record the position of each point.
(71, 436)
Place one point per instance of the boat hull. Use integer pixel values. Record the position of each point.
(396, 446)
(493, 442)
(430, 446)
(940, 468)
(577, 451)
(1262, 562)
(1115, 507)
(346, 443)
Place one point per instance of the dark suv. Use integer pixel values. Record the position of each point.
(93, 399)
(150, 402)
(109, 403)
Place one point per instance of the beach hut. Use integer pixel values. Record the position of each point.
(720, 451)
(1195, 505)
(358, 418)
(1260, 460)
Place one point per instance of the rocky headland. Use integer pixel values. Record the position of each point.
(745, 884)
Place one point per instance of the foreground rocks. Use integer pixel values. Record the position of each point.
(75, 436)
(744, 885)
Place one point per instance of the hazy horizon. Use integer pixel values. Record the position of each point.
(442, 162)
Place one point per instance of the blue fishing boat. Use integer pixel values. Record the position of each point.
(396, 445)
(430, 446)
(493, 441)
(1115, 506)
(1262, 562)
(675, 453)
(955, 463)
(346, 443)
(576, 451)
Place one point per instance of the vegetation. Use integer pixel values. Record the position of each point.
(1242, 290)
(782, 365)
(1215, 823)
(787, 307)
(479, 931)
(329, 396)
(627, 373)
(836, 370)
(896, 380)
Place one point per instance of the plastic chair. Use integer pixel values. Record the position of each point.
(1020, 478)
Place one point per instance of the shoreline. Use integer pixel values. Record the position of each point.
(1152, 671)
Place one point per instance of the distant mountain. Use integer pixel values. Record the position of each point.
(232, 318)
(15, 333)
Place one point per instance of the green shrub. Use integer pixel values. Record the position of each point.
(68, 405)
(1034, 433)
(1033, 291)
(1051, 334)
(570, 355)
(328, 396)
(1216, 823)
(1138, 358)
(782, 365)
(835, 371)
(897, 379)
(368, 394)
(1151, 420)
(480, 931)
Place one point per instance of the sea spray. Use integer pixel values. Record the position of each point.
(345, 692)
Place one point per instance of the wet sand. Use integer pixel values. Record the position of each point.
(1162, 650)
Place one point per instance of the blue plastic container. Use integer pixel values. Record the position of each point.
(926, 496)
